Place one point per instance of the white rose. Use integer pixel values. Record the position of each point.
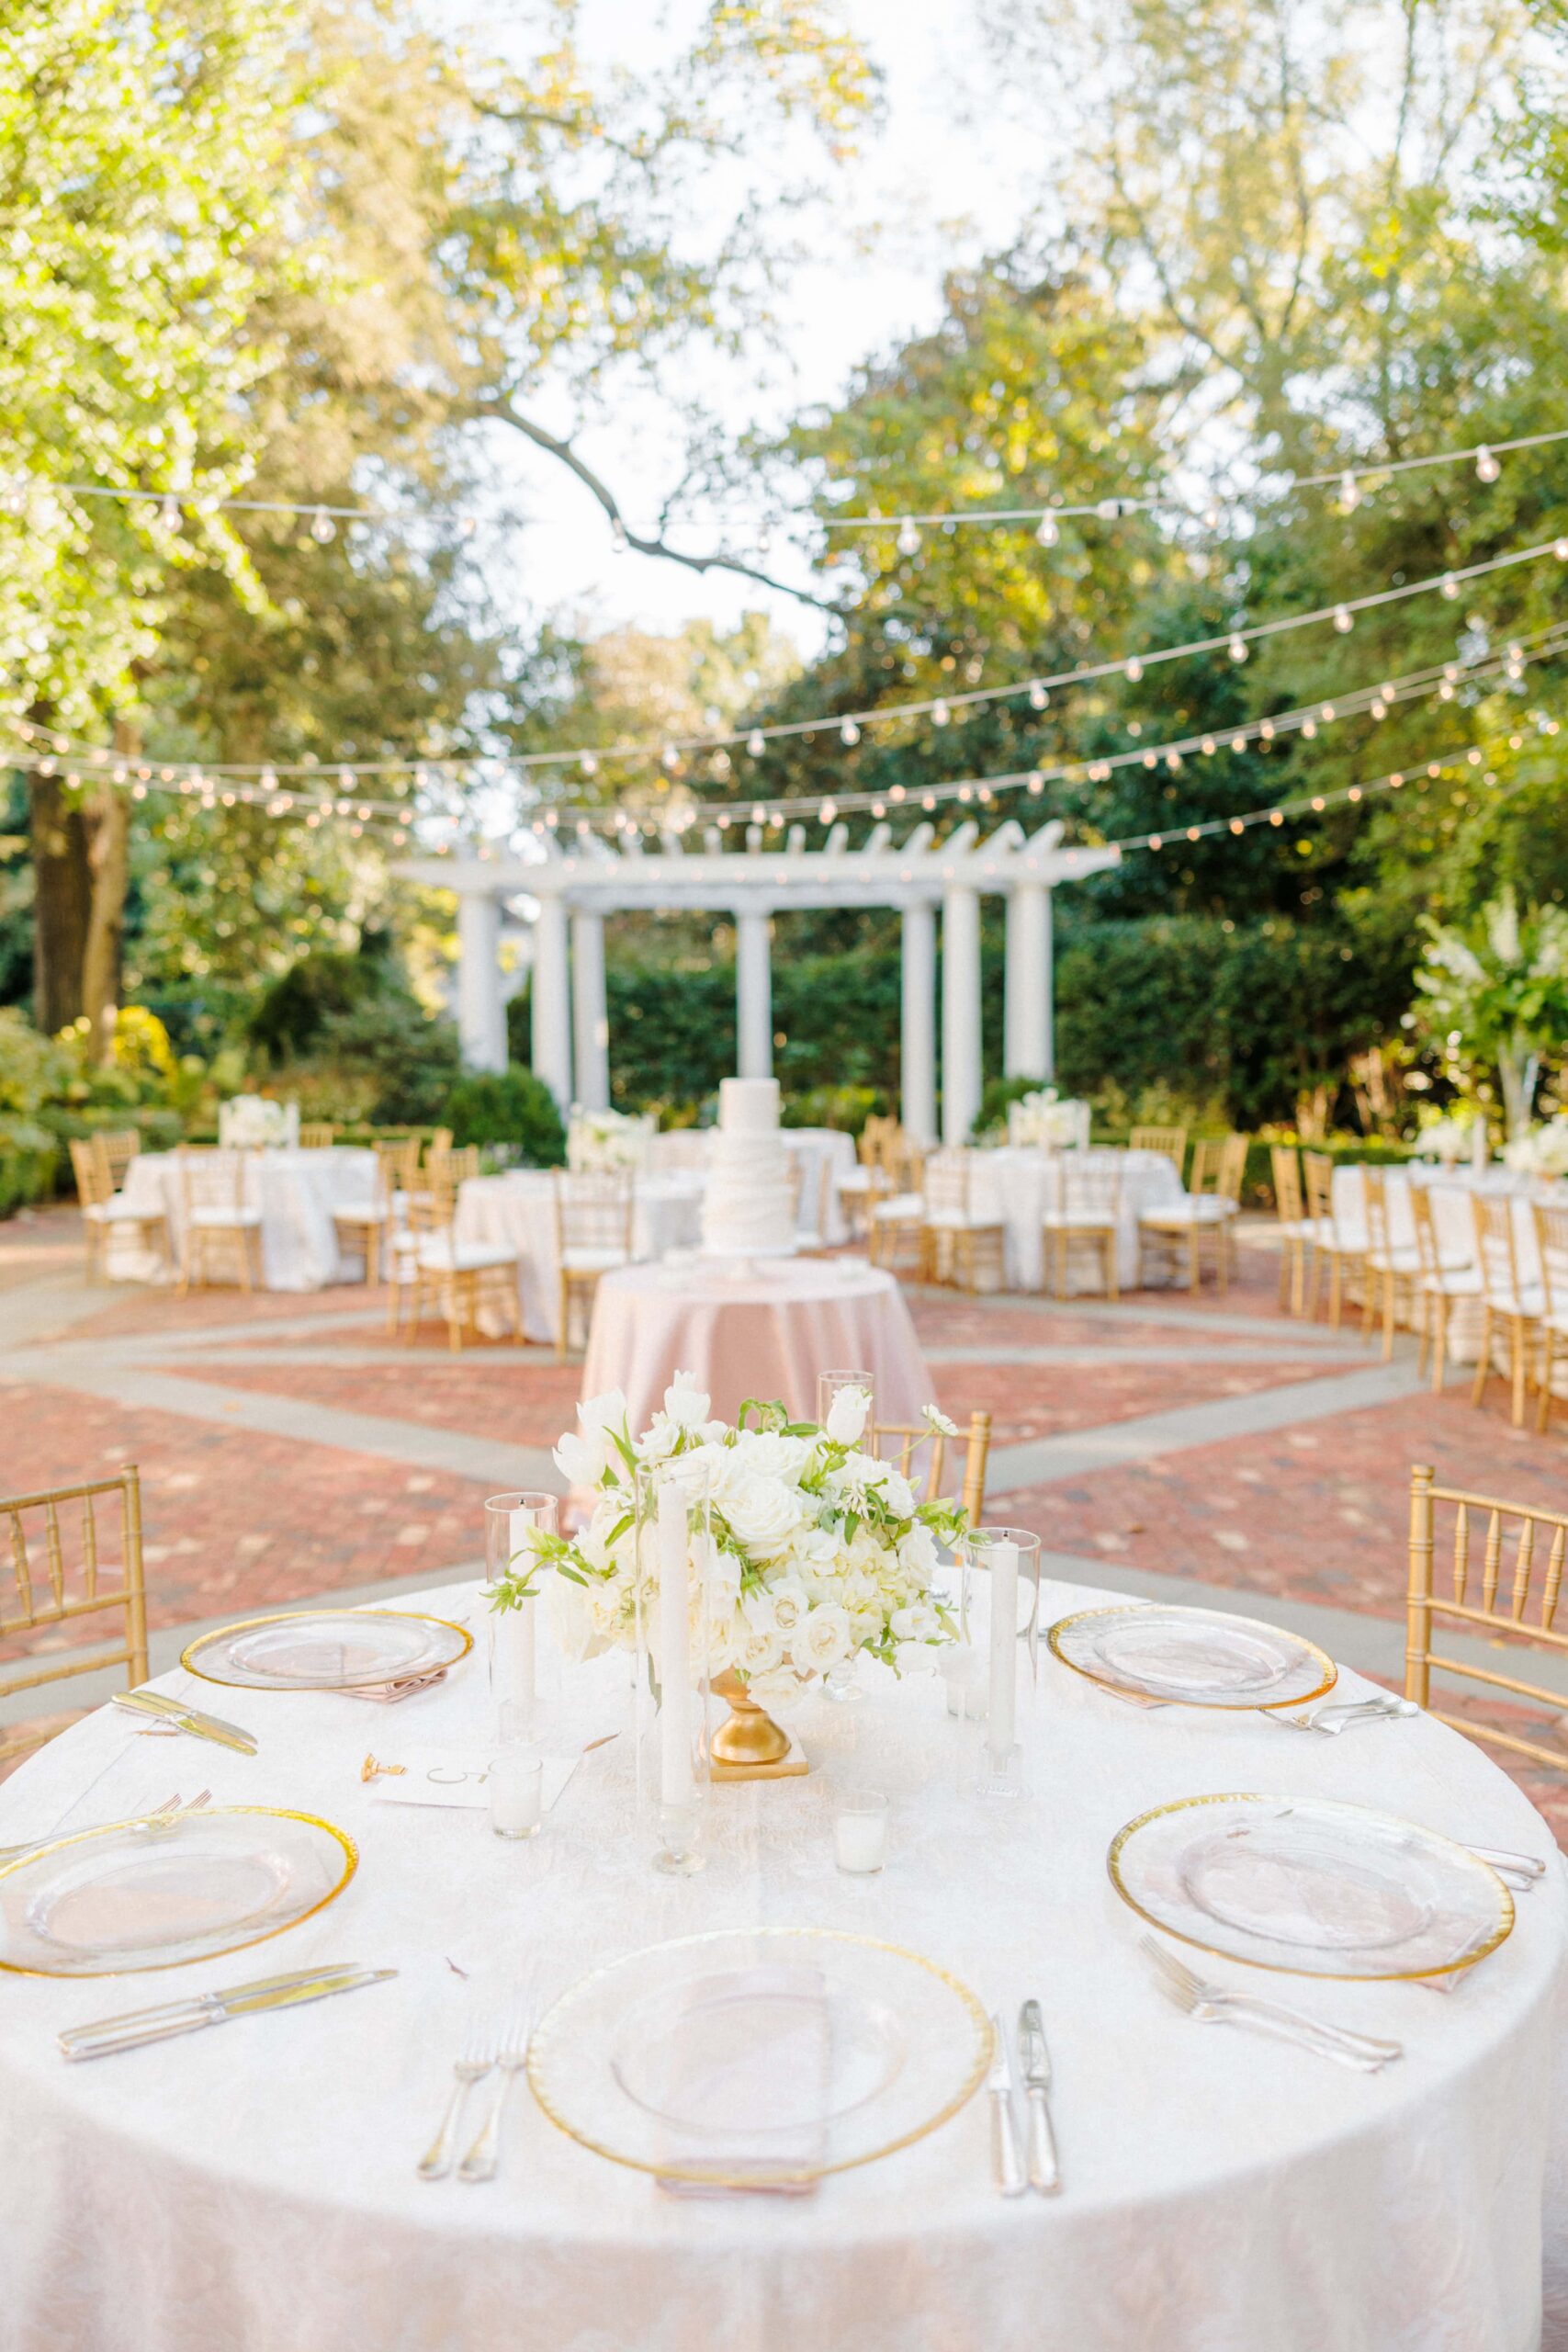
(757, 1609)
(768, 1454)
(726, 1632)
(759, 1652)
(721, 1571)
(762, 1512)
(915, 1657)
(686, 1403)
(917, 1551)
(898, 1495)
(917, 1623)
(820, 1640)
(774, 1687)
(847, 1415)
(658, 1442)
(790, 1602)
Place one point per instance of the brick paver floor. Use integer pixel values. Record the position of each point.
(289, 1448)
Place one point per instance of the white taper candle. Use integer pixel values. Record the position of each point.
(676, 1782)
(1002, 1711)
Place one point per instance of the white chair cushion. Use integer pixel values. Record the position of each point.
(1201, 1208)
(220, 1220)
(1079, 1221)
(592, 1261)
(1530, 1301)
(1454, 1281)
(954, 1221)
(904, 1208)
(439, 1254)
(358, 1212)
(857, 1180)
(1395, 1262)
(118, 1212)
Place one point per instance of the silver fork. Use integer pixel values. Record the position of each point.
(1217, 2005)
(511, 2054)
(1340, 1715)
(478, 2058)
(157, 1814)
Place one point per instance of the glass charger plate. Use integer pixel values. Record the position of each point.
(144, 1895)
(1312, 1887)
(325, 1649)
(746, 2059)
(1193, 1658)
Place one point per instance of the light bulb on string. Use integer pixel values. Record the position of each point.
(826, 814)
(754, 744)
(1449, 586)
(1038, 697)
(909, 539)
(1237, 647)
(1486, 466)
(1046, 532)
(670, 758)
(1560, 550)
(939, 714)
(322, 528)
(588, 765)
(1132, 670)
(1265, 731)
(1036, 781)
(171, 512)
(849, 732)
(1344, 619)
(1207, 747)
(1239, 742)
(1349, 493)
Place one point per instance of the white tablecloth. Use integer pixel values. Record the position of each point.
(765, 1332)
(821, 1211)
(1451, 1190)
(254, 2186)
(519, 1209)
(296, 1192)
(1013, 1186)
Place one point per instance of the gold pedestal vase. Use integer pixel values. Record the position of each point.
(749, 1746)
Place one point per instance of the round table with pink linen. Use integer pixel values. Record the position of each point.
(762, 1330)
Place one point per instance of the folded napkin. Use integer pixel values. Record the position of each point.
(742, 2086)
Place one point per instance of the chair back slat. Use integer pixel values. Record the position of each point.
(1501, 1612)
(1551, 1246)
(1286, 1171)
(120, 1147)
(947, 1183)
(900, 1444)
(75, 1586)
(593, 1210)
(1495, 1248)
(1170, 1143)
(1429, 1250)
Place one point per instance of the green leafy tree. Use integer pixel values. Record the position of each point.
(1496, 995)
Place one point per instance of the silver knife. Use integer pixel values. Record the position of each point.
(137, 2027)
(152, 1702)
(1045, 2172)
(1006, 2157)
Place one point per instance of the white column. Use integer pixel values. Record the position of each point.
(552, 1000)
(917, 1053)
(1028, 1047)
(960, 1014)
(591, 1024)
(753, 996)
(481, 1016)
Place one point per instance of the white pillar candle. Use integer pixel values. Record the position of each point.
(860, 1840)
(1001, 1712)
(676, 1785)
(515, 1679)
(516, 1784)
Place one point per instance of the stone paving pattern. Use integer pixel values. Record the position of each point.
(241, 1519)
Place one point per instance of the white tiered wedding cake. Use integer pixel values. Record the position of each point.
(748, 1207)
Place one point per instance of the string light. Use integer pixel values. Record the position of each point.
(322, 528)
(1237, 649)
(1047, 531)
(1486, 466)
(909, 540)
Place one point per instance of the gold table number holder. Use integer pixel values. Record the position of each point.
(749, 1746)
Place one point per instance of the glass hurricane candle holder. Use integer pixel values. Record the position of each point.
(674, 1538)
(513, 1525)
(1008, 1558)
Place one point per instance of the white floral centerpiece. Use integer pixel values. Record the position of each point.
(1543, 1151)
(1447, 1140)
(601, 1142)
(815, 1549)
(255, 1123)
(1049, 1121)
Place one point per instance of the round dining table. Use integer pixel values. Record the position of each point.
(297, 1192)
(255, 2185)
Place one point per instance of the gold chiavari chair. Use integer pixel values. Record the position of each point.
(960, 1245)
(900, 1444)
(1394, 1270)
(1297, 1231)
(1169, 1142)
(1083, 1196)
(1518, 1535)
(365, 1224)
(222, 1227)
(439, 1144)
(1505, 1299)
(1551, 1247)
(316, 1134)
(103, 1209)
(54, 1582)
(1204, 1212)
(869, 1180)
(1339, 1240)
(120, 1147)
(456, 1277)
(1442, 1279)
(895, 1231)
(594, 1236)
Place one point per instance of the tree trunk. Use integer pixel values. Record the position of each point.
(108, 861)
(62, 901)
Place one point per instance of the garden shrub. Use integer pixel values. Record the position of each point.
(28, 1159)
(508, 1106)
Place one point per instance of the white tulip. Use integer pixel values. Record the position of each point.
(685, 1404)
(847, 1415)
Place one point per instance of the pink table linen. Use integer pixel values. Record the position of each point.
(765, 1331)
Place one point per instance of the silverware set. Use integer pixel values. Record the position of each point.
(170, 1715)
(1343, 1715)
(1022, 2161)
(1211, 2004)
(158, 1816)
(136, 2027)
(489, 2050)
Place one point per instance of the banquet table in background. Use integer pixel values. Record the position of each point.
(765, 1332)
(1451, 1191)
(296, 1192)
(518, 1210)
(1012, 1187)
(255, 2186)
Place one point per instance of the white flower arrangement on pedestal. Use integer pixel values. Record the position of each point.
(1047, 1119)
(815, 1550)
(1447, 1140)
(255, 1123)
(1543, 1151)
(600, 1142)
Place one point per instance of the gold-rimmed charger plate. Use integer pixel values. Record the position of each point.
(1310, 1887)
(326, 1649)
(140, 1894)
(1193, 1658)
(759, 2058)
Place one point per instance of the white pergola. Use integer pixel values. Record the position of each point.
(577, 883)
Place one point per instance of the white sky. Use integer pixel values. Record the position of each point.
(937, 188)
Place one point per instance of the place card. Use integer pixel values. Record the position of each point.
(449, 1776)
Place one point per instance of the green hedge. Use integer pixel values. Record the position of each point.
(30, 1155)
(160, 1130)
(508, 1106)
